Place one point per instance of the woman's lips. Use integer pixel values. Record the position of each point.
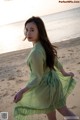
(29, 37)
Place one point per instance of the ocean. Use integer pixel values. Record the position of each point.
(60, 26)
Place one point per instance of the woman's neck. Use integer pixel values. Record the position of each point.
(35, 42)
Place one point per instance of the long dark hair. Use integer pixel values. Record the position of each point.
(50, 50)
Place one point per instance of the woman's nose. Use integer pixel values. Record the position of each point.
(28, 33)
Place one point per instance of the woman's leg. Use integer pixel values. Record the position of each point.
(66, 112)
(52, 115)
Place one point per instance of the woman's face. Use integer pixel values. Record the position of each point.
(32, 32)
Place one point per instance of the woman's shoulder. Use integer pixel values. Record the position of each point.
(36, 53)
(38, 50)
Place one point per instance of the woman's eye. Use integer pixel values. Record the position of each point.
(32, 30)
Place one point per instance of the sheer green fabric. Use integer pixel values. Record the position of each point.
(48, 88)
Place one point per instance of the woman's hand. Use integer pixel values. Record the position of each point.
(70, 74)
(18, 96)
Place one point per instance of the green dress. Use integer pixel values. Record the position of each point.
(48, 88)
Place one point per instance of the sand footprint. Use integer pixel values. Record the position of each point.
(71, 50)
(19, 81)
(73, 107)
(5, 94)
(11, 78)
(78, 63)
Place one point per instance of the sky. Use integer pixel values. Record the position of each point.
(17, 10)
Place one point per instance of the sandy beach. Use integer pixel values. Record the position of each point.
(14, 74)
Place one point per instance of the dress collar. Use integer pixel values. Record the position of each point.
(36, 43)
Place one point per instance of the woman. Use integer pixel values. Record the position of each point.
(49, 84)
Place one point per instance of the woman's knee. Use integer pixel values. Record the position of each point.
(65, 111)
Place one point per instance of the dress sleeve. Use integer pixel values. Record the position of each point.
(57, 64)
(36, 67)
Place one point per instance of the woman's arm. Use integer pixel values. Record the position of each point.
(37, 70)
(19, 94)
(66, 73)
(36, 74)
(25, 89)
(61, 69)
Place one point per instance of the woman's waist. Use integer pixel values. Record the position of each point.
(50, 77)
